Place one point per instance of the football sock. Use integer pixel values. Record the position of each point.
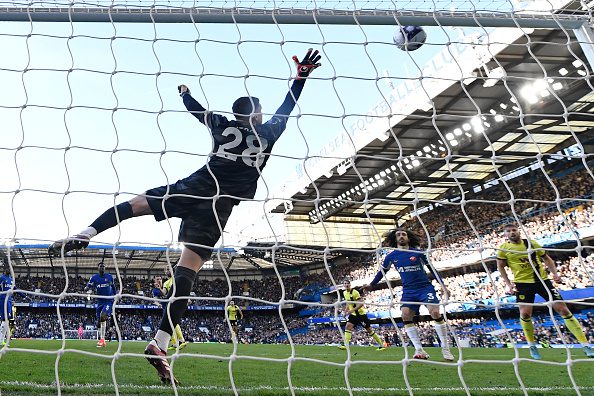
(102, 330)
(178, 334)
(377, 339)
(347, 337)
(413, 335)
(161, 340)
(108, 219)
(576, 329)
(528, 328)
(441, 329)
(184, 280)
(2, 331)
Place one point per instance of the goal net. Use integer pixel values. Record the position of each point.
(480, 142)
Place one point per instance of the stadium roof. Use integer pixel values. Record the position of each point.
(467, 111)
(257, 256)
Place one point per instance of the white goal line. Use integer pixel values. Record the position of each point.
(37, 385)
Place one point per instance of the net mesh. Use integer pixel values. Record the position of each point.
(488, 123)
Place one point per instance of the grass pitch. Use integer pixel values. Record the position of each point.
(33, 367)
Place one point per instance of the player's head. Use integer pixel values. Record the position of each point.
(512, 232)
(101, 269)
(158, 279)
(231, 302)
(401, 237)
(248, 107)
(347, 284)
(167, 270)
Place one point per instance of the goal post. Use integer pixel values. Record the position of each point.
(84, 335)
(295, 15)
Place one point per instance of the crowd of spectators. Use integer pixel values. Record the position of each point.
(452, 237)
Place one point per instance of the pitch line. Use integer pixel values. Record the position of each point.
(37, 385)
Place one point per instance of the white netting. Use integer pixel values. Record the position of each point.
(490, 122)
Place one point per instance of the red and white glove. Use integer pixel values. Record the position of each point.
(308, 64)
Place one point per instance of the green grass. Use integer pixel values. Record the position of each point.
(203, 369)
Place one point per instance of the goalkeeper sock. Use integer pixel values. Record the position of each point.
(108, 219)
(161, 340)
(576, 329)
(441, 329)
(2, 332)
(377, 339)
(347, 337)
(178, 334)
(528, 328)
(184, 281)
(413, 335)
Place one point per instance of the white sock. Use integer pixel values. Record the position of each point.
(2, 331)
(89, 231)
(413, 335)
(102, 330)
(162, 340)
(442, 333)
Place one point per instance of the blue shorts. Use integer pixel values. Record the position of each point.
(104, 307)
(6, 309)
(425, 295)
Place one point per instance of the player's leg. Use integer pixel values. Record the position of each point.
(525, 297)
(180, 337)
(137, 206)
(102, 325)
(348, 333)
(3, 330)
(374, 335)
(571, 322)
(185, 273)
(408, 313)
(441, 328)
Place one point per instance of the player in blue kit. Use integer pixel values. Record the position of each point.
(102, 285)
(6, 284)
(417, 289)
(204, 200)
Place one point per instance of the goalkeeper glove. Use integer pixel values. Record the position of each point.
(182, 89)
(308, 64)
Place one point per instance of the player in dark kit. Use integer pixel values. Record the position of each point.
(205, 199)
(102, 284)
(417, 289)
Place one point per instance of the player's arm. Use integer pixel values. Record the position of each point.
(436, 276)
(112, 286)
(501, 264)
(551, 266)
(240, 312)
(384, 267)
(304, 68)
(90, 285)
(197, 110)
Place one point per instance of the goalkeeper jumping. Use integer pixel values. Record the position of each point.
(205, 199)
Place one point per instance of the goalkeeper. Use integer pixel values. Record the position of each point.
(163, 291)
(205, 199)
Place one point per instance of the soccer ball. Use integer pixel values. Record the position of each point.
(409, 38)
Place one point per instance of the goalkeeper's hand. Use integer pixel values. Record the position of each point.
(308, 64)
(183, 89)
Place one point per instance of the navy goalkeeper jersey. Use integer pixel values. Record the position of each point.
(240, 152)
(411, 267)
